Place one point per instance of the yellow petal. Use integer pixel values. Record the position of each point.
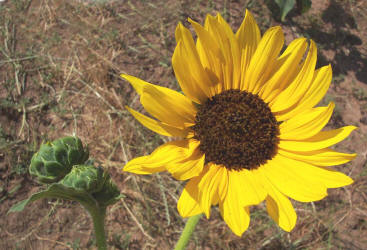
(323, 139)
(230, 48)
(236, 216)
(316, 91)
(208, 38)
(227, 70)
(223, 184)
(212, 67)
(248, 37)
(306, 124)
(143, 165)
(281, 210)
(322, 157)
(291, 182)
(157, 126)
(188, 167)
(287, 66)
(169, 107)
(164, 155)
(137, 83)
(188, 85)
(188, 204)
(210, 55)
(208, 186)
(248, 186)
(192, 77)
(177, 108)
(322, 175)
(263, 60)
(271, 96)
(224, 69)
(216, 31)
(298, 88)
(252, 189)
(279, 207)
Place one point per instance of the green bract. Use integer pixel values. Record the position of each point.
(85, 178)
(55, 159)
(109, 194)
(94, 181)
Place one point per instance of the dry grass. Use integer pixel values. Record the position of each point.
(59, 71)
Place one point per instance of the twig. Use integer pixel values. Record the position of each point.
(53, 241)
(123, 147)
(99, 96)
(136, 220)
(161, 188)
(24, 122)
(18, 59)
(75, 130)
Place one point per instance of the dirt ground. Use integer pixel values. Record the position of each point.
(59, 73)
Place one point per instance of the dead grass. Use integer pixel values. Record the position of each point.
(59, 72)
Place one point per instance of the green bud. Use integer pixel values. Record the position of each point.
(55, 159)
(86, 178)
(109, 194)
(93, 180)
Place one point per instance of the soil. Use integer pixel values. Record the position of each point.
(59, 73)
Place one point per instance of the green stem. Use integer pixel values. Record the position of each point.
(187, 232)
(98, 215)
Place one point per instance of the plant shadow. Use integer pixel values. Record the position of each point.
(340, 40)
(333, 33)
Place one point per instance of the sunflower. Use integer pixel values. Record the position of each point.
(246, 128)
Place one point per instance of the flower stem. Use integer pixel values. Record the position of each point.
(98, 215)
(187, 232)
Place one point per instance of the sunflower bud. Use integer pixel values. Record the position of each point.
(109, 194)
(86, 178)
(55, 159)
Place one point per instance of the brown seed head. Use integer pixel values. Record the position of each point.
(236, 129)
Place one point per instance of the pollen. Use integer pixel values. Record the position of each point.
(236, 129)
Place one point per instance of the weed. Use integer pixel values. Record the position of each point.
(359, 93)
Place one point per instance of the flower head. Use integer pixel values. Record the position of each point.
(55, 159)
(247, 120)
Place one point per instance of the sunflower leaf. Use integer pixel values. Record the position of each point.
(55, 190)
(285, 6)
(304, 5)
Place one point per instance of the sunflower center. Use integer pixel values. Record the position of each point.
(236, 129)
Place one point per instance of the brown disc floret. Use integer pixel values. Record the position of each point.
(237, 130)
